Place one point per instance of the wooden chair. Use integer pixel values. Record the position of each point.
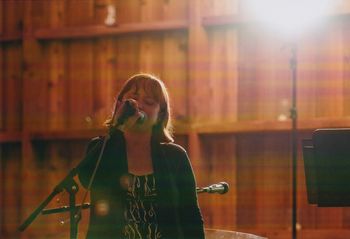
(224, 234)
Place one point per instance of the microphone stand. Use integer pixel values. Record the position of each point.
(294, 135)
(87, 205)
(72, 188)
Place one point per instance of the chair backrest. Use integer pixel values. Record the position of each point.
(225, 234)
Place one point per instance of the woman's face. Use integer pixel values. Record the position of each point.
(146, 103)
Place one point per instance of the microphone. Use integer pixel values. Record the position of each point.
(220, 188)
(129, 110)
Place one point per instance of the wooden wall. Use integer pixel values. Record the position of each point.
(230, 88)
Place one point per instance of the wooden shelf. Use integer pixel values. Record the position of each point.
(77, 134)
(102, 30)
(267, 126)
(66, 134)
(226, 20)
(270, 126)
(181, 129)
(241, 127)
(324, 123)
(10, 37)
(237, 20)
(10, 137)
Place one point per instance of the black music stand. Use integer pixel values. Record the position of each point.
(327, 167)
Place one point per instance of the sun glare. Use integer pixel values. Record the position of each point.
(290, 17)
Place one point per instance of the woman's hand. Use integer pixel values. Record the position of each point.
(127, 114)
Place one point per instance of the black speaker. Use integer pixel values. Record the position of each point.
(327, 167)
(310, 171)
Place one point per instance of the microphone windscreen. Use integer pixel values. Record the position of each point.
(226, 187)
(142, 117)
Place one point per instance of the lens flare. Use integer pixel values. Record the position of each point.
(290, 17)
(102, 208)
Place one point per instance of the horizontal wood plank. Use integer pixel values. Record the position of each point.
(66, 134)
(77, 134)
(10, 137)
(237, 20)
(102, 30)
(10, 38)
(224, 20)
(269, 126)
(185, 129)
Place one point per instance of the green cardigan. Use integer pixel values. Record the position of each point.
(179, 216)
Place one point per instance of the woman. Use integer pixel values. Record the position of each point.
(144, 186)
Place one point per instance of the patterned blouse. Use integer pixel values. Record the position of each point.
(141, 208)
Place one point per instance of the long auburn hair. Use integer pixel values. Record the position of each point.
(163, 130)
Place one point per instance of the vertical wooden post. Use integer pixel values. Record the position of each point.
(2, 179)
(195, 38)
(31, 112)
(1, 18)
(105, 63)
(346, 69)
(2, 110)
(151, 10)
(175, 73)
(34, 76)
(1, 69)
(346, 93)
(12, 80)
(330, 73)
(57, 100)
(151, 50)
(197, 65)
(80, 67)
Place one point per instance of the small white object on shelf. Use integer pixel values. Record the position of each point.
(111, 18)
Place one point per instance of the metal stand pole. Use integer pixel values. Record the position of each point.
(293, 115)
